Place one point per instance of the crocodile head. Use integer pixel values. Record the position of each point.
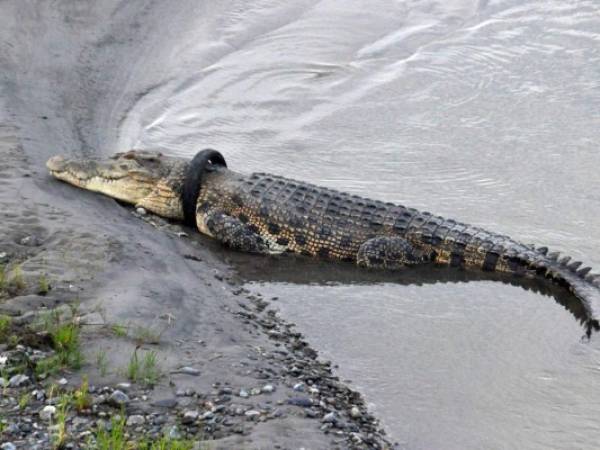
(142, 178)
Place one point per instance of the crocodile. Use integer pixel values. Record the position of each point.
(269, 214)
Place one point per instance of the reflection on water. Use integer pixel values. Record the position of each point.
(484, 111)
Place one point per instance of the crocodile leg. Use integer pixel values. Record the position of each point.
(231, 231)
(389, 252)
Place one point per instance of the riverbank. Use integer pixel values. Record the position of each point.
(131, 328)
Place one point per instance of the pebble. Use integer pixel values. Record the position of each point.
(141, 211)
(8, 446)
(18, 380)
(188, 371)
(165, 403)
(252, 413)
(330, 417)
(135, 420)
(244, 393)
(189, 417)
(305, 402)
(3, 257)
(268, 389)
(355, 412)
(118, 398)
(123, 386)
(174, 432)
(63, 381)
(299, 387)
(208, 415)
(47, 412)
(30, 241)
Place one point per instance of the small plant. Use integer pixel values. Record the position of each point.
(24, 400)
(17, 281)
(60, 435)
(102, 362)
(43, 285)
(81, 397)
(119, 330)
(65, 341)
(113, 439)
(146, 370)
(5, 323)
(145, 335)
(165, 443)
(2, 278)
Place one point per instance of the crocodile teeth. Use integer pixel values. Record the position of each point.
(574, 266)
(564, 261)
(591, 277)
(553, 256)
(542, 250)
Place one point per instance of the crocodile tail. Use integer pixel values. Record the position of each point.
(579, 280)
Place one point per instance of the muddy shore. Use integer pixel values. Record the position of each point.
(229, 372)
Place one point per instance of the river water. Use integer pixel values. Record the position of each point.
(484, 111)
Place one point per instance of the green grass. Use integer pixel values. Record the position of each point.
(24, 400)
(143, 370)
(144, 335)
(166, 444)
(118, 330)
(2, 278)
(115, 440)
(5, 325)
(102, 362)
(81, 398)
(43, 285)
(60, 435)
(65, 342)
(17, 281)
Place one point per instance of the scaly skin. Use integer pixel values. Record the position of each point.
(266, 213)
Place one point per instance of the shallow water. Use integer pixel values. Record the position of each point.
(484, 111)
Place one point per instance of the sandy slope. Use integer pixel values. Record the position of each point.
(62, 89)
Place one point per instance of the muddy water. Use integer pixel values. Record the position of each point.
(486, 111)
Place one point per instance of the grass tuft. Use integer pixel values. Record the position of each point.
(145, 369)
(5, 326)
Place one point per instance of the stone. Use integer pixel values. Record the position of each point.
(165, 403)
(330, 417)
(141, 211)
(252, 413)
(299, 387)
(135, 420)
(118, 398)
(208, 415)
(355, 412)
(63, 381)
(174, 433)
(123, 386)
(189, 417)
(47, 412)
(304, 402)
(187, 371)
(18, 380)
(30, 241)
(268, 389)
(244, 393)
(8, 446)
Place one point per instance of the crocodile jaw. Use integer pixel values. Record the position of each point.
(144, 179)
